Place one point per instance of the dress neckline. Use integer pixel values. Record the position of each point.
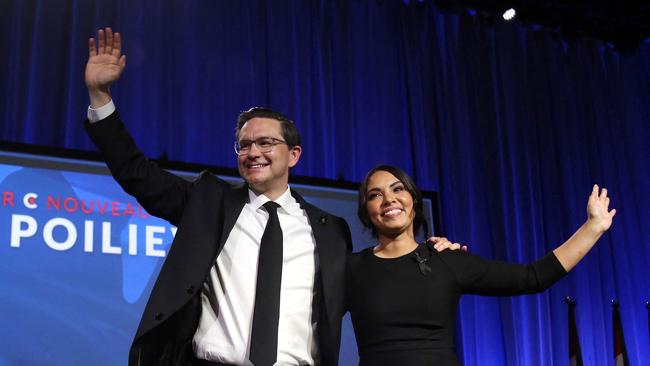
(371, 253)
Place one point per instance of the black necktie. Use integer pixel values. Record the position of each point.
(264, 337)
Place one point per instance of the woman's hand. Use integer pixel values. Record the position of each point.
(599, 218)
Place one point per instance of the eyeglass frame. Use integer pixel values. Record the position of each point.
(274, 141)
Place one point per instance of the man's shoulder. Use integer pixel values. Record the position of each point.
(207, 184)
(314, 210)
(207, 177)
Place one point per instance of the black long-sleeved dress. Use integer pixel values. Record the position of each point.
(404, 317)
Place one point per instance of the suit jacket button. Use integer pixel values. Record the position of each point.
(323, 219)
(158, 316)
(190, 290)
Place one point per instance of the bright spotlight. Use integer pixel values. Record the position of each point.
(509, 14)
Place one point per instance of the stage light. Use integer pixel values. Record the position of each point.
(509, 14)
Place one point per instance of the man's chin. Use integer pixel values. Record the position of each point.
(256, 181)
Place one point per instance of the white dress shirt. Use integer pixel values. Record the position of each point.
(228, 296)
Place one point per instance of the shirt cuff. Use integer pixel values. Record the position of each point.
(98, 114)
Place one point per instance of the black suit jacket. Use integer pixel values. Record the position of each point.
(205, 212)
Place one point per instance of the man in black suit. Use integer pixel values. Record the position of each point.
(203, 310)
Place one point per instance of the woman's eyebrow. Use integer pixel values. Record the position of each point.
(379, 189)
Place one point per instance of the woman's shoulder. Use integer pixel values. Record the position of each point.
(355, 259)
(360, 254)
(354, 266)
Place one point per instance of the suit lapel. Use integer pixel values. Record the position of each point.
(232, 206)
(320, 225)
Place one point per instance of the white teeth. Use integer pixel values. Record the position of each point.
(393, 212)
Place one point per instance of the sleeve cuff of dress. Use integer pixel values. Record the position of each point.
(98, 114)
(549, 270)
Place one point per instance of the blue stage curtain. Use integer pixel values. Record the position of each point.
(511, 124)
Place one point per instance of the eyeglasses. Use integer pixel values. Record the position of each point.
(264, 145)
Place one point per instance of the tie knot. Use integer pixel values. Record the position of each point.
(271, 207)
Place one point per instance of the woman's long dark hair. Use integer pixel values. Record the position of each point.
(419, 222)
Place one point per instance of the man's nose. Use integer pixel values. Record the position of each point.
(254, 150)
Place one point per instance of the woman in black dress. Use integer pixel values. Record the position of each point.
(403, 296)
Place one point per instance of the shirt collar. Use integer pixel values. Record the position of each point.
(286, 200)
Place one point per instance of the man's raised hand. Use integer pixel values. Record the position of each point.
(105, 65)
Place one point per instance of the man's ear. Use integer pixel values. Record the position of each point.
(294, 155)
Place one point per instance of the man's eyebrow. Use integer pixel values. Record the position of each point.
(261, 137)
